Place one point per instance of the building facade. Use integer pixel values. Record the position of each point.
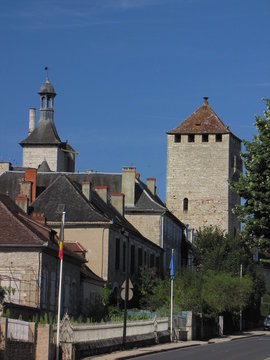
(203, 155)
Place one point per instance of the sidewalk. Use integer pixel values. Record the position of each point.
(127, 354)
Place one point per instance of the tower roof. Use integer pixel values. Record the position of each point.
(47, 88)
(203, 121)
(44, 133)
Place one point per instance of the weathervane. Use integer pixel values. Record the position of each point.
(47, 69)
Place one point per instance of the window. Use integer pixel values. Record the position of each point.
(191, 138)
(158, 264)
(132, 259)
(44, 288)
(117, 254)
(218, 137)
(205, 137)
(145, 258)
(177, 138)
(185, 204)
(152, 260)
(140, 257)
(53, 291)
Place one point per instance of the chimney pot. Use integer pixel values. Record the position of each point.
(151, 185)
(86, 189)
(128, 185)
(32, 120)
(102, 191)
(118, 202)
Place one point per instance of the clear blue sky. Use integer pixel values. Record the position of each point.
(126, 71)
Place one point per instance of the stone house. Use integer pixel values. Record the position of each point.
(202, 156)
(29, 265)
(95, 222)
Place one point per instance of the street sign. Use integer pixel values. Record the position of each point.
(130, 291)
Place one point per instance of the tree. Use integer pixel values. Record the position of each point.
(254, 185)
(215, 250)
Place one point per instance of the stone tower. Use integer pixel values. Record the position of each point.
(202, 156)
(43, 142)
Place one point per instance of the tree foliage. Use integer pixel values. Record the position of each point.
(254, 185)
(214, 285)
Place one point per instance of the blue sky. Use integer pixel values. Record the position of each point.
(126, 71)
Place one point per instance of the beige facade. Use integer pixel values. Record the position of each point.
(148, 225)
(33, 156)
(198, 173)
(95, 241)
(107, 249)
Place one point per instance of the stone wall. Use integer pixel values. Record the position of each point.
(148, 225)
(34, 155)
(20, 271)
(199, 172)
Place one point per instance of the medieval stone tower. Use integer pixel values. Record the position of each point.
(43, 144)
(202, 156)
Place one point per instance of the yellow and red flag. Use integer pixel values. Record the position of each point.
(61, 238)
(60, 252)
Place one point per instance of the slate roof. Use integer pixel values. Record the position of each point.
(64, 191)
(145, 201)
(203, 121)
(47, 88)
(44, 134)
(44, 167)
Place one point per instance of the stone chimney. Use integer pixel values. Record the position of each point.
(118, 202)
(86, 189)
(151, 185)
(128, 185)
(31, 176)
(102, 191)
(32, 120)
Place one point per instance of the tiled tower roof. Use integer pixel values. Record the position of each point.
(203, 121)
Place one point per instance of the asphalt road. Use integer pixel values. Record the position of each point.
(253, 348)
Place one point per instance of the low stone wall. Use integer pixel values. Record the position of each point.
(85, 340)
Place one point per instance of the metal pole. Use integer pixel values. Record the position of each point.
(126, 293)
(60, 290)
(171, 332)
(241, 320)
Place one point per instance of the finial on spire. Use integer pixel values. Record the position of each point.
(205, 98)
(47, 77)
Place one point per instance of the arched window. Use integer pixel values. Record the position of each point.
(185, 204)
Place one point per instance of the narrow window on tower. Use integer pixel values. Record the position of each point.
(205, 137)
(185, 205)
(177, 138)
(191, 138)
(218, 137)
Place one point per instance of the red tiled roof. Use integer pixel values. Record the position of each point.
(203, 121)
(17, 228)
(75, 247)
